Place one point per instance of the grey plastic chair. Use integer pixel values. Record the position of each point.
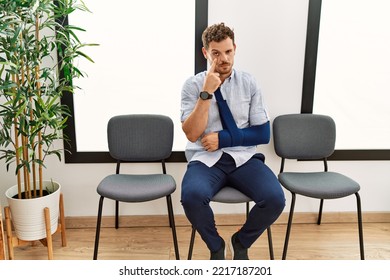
(138, 138)
(311, 137)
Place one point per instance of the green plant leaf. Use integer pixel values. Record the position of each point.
(30, 88)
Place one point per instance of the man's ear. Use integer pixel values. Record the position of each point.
(204, 51)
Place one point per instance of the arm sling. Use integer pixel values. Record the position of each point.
(231, 135)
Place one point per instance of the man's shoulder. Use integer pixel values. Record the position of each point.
(243, 76)
(198, 76)
(194, 83)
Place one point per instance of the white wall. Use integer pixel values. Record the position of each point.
(270, 37)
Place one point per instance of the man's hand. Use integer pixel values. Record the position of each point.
(210, 141)
(212, 80)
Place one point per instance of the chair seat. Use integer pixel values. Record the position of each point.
(322, 185)
(230, 195)
(136, 188)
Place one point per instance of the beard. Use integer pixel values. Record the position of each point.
(224, 68)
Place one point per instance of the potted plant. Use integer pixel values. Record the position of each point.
(31, 115)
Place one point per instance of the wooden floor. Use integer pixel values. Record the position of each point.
(337, 241)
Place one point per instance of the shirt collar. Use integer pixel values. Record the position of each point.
(231, 76)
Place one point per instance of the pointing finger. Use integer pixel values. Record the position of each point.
(212, 67)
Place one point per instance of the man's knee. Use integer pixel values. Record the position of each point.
(279, 202)
(275, 202)
(193, 198)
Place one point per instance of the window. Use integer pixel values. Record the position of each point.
(347, 72)
(146, 51)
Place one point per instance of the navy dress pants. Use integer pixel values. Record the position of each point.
(254, 179)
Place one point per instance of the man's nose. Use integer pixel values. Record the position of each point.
(223, 58)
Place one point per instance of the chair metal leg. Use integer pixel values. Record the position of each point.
(270, 245)
(192, 241)
(360, 225)
(320, 212)
(290, 217)
(116, 214)
(247, 209)
(173, 227)
(98, 224)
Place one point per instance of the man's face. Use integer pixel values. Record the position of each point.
(224, 52)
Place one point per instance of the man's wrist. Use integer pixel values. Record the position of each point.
(204, 95)
(224, 139)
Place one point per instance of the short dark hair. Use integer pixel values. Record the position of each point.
(217, 33)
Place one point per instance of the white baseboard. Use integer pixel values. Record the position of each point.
(225, 219)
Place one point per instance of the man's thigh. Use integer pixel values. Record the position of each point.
(201, 180)
(255, 179)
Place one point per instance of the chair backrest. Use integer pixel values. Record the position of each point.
(304, 136)
(140, 137)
